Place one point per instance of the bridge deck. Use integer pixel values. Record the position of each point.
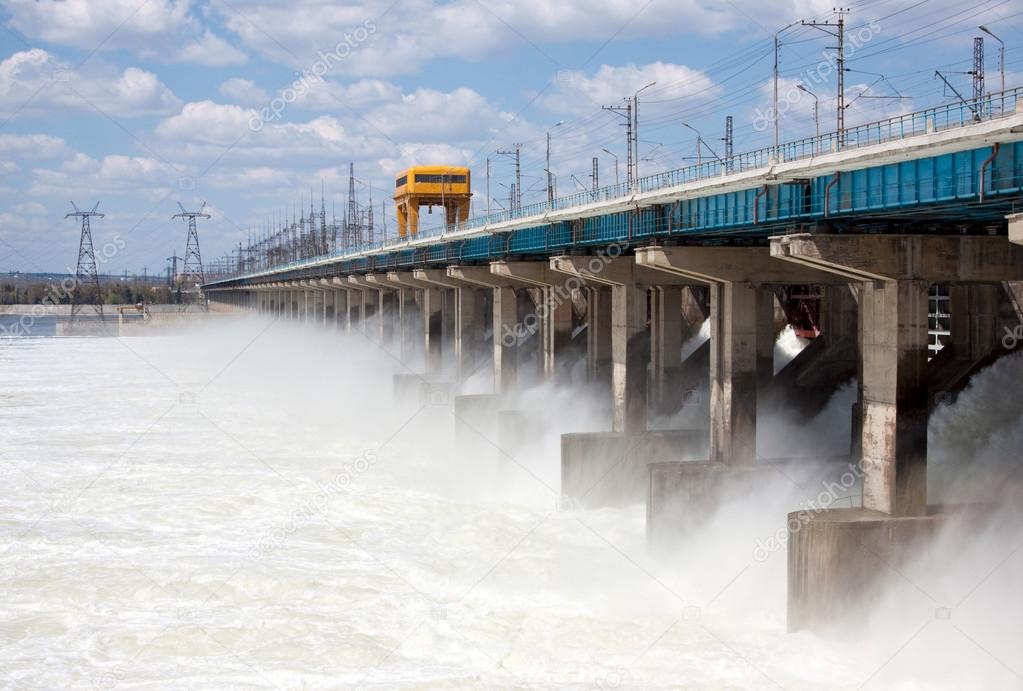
(939, 164)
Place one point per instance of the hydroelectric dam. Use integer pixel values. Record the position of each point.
(892, 248)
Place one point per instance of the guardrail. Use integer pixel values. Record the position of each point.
(944, 117)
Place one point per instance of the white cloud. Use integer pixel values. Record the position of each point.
(462, 119)
(409, 34)
(210, 50)
(438, 116)
(35, 81)
(163, 30)
(114, 174)
(244, 92)
(30, 146)
(332, 95)
(576, 91)
(207, 122)
(414, 154)
(260, 178)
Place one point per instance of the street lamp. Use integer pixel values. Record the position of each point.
(700, 143)
(816, 114)
(616, 163)
(550, 186)
(1001, 52)
(635, 130)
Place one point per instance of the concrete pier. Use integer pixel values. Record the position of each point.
(554, 312)
(894, 275)
(505, 313)
(618, 460)
(441, 299)
(630, 339)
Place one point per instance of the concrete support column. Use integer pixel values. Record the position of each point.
(341, 308)
(356, 310)
(408, 318)
(666, 344)
(318, 306)
(554, 311)
(449, 323)
(630, 339)
(765, 337)
(557, 327)
(733, 372)
(741, 334)
(895, 273)
(387, 315)
(974, 320)
(598, 333)
(630, 353)
(329, 304)
(470, 308)
(506, 317)
(433, 329)
(893, 340)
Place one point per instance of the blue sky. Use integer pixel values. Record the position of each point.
(141, 104)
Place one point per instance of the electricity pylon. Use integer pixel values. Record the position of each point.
(86, 270)
(191, 271)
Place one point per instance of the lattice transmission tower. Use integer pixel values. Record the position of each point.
(86, 272)
(192, 276)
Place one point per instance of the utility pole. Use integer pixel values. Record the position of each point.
(516, 153)
(839, 34)
(488, 187)
(729, 142)
(86, 270)
(978, 75)
(173, 259)
(594, 175)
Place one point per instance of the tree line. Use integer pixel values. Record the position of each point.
(111, 292)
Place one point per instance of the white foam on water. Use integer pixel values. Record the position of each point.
(246, 506)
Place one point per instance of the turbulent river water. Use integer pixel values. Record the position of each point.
(244, 506)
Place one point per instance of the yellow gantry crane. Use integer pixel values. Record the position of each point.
(445, 186)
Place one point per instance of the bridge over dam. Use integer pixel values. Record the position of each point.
(894, 248)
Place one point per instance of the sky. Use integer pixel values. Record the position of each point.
(254, 105)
